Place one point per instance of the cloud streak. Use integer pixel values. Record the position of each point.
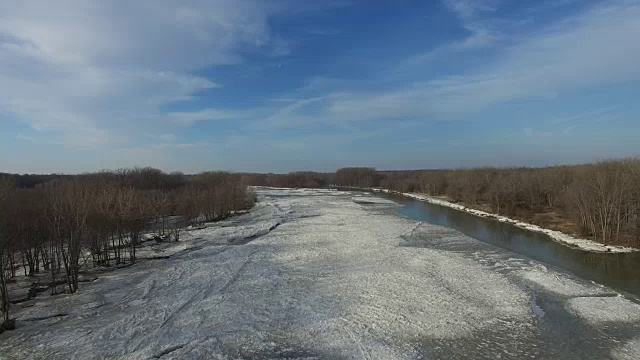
(598, 47)
(91, 69)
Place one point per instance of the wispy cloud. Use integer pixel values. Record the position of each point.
(467, 9)
(91, 68)
(476, 19)
(190, 117)
(479, 37)
(586, 115)
(598, 47)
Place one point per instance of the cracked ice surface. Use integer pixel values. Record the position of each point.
(327, 274)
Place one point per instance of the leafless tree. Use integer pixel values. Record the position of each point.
(6, 187)
(70, 203)
(160, 207)
(357, 177)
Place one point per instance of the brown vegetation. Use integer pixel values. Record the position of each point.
(600, 200)
(292, 180)
(357, 177)
(69, 222)
(6, 186)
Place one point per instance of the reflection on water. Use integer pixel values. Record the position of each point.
(618, 271)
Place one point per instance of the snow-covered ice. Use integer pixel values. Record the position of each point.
(327, 274)
(602, 310)
(628, 351)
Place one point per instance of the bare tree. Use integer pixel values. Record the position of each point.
(6, 187)
(70, 203)
(160, 206)
(136, 219)
(357, 177)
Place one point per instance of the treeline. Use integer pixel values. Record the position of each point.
(601, 200)
(73, 221)
(26, 181)
(357, 177)
(306, 179)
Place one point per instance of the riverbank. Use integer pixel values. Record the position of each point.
(570, 240)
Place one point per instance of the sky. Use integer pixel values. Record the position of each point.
(292, 85)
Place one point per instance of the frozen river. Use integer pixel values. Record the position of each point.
(326, 274)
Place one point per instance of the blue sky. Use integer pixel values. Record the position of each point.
(278, 86)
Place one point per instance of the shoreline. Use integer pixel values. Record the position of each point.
(557, 236)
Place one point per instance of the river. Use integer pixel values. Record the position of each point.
(620, 271)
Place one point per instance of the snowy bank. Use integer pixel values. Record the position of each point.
(584, 244)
